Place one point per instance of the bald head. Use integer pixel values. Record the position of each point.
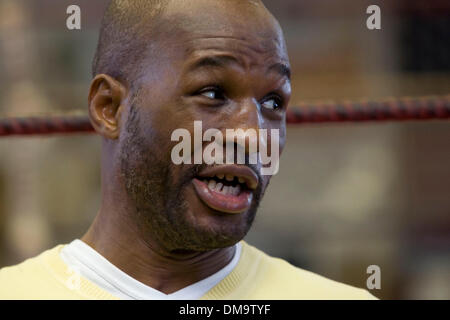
(130, 28)
(124, 37)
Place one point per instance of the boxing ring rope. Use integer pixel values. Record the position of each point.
(392, 109)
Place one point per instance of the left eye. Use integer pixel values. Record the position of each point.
(213, 93)
(210, 94)
(272, 104)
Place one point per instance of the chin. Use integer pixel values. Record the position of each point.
(213, 229)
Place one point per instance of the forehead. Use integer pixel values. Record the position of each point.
(240, 27)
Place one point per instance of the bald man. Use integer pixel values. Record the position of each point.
(165, 230)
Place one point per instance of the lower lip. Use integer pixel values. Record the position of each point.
(221, 202)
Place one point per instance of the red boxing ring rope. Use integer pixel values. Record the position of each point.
(395, 109)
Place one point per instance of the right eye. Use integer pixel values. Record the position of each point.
(210, 94)
(213, 93)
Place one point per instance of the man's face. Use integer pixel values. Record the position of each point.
(227, 66)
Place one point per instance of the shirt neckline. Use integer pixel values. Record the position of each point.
(96, 268)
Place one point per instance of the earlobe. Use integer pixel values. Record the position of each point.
(106, 97)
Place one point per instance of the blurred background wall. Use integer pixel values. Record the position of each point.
(347, 196)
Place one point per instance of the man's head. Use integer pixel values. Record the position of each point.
(160, 66)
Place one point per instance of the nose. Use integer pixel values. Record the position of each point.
(249, 115)
(243, 128)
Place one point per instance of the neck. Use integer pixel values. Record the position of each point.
(118, 240)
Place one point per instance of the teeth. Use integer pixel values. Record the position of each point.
(219, 187)
(229, 177)
(235, 190)
(212, 184)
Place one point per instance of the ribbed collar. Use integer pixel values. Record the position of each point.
(237, 283)
(231, 287)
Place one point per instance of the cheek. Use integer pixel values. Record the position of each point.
(265, 180)
(282, 135)
(272, 138)
(282, 141)
(156, 129)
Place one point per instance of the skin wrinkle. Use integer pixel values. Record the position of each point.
(218, 58)
(151, 224)
(245, 42)
(246, 47)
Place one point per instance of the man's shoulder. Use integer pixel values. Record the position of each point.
(33, 278)
(27, 267)
(291, 282)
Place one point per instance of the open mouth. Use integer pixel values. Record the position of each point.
(226, 188)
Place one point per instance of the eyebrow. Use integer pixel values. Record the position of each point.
(282, 69)
(222, 61)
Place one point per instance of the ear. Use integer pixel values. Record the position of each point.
(106, 99)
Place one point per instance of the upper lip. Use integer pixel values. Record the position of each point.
(244, 172)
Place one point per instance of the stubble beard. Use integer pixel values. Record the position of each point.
(160, 209)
